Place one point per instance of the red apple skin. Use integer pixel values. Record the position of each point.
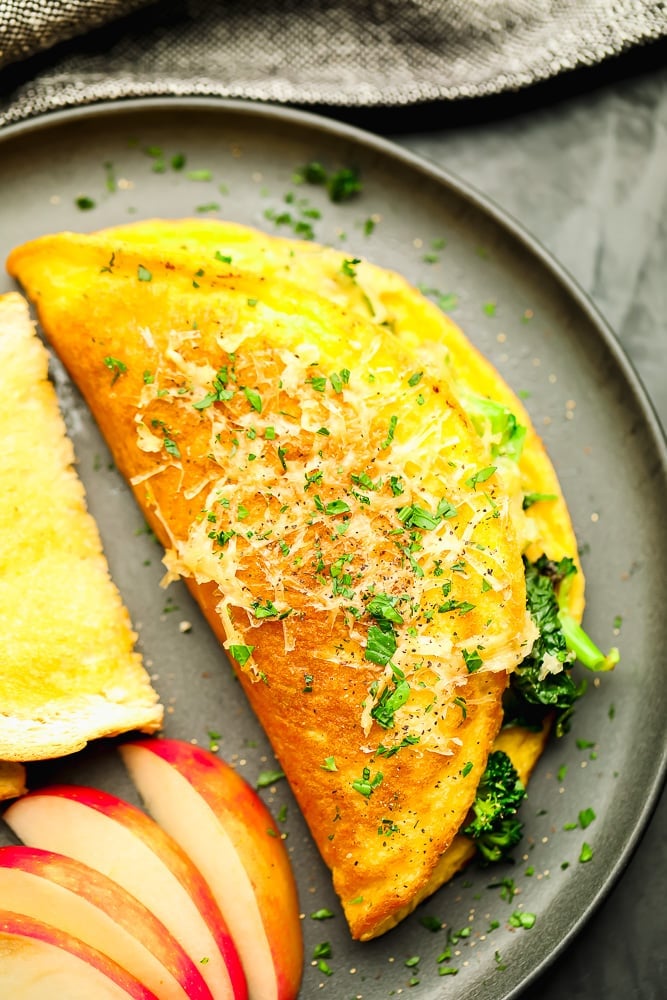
(92, 889)
(249, 825)
(167, 850)
(16, 928)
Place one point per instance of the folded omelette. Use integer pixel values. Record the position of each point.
(308, 438)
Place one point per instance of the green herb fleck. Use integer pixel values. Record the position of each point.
(367, 785)
(266, 778)
(393, 420)
(480, 476)
(586, 853)
(253, 398)
(473, 660)
(171, 447)
(84, 203)
(586, 817)
(531, 498)
(117, 367)
(241, 654)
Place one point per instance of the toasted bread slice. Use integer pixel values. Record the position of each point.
(339, 522)
(68, 669)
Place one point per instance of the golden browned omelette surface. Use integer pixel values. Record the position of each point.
(317, 483)
(68, 672)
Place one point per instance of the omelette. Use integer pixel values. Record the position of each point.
(311, 442)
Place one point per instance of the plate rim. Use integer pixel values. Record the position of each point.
(468, 193)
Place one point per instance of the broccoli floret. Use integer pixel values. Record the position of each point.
(499, 795)
(534, 689)
(497, 843)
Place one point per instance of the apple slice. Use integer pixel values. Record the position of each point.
(89, 906)
(227, 831)
(120, 841)
(38, 960)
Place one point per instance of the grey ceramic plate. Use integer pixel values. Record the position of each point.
(527, 315)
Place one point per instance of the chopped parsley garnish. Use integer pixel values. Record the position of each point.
(199, 175)
(391, 699)
(466, 769)
(586, 853)
(463, 607)
(253, 398)
(241, 654)
(224, 258)
(341, 184)
(461, 703)
(520, 918)
(143, 274)
(407, 741)
(381, 606)
(266, 778)
(531, 498)
(84, 203)
(480, 476)
(431, 923)
(367, 785)
(390, 433)
(329, 764)
(348, 267)
(117, 367)
(586, 817)
(171, 447)
(269, 610)
(331, 508)
(318, 382)
(416, 378)
(473, 660)
(322, 914)
(339, 379)
(380, 644)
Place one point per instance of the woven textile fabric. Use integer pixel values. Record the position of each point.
(346, 53)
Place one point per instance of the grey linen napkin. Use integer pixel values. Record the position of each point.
(345, 53)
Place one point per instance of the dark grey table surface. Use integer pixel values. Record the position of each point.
(587, 176)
